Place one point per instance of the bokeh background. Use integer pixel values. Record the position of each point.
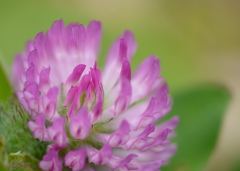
(197, 42)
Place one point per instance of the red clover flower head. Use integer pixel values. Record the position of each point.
(94, 117)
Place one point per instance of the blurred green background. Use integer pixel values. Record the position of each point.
(197, 42)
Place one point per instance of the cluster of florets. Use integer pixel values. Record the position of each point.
(89, 117)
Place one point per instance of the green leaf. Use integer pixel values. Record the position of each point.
(22, 162)
(201, 111)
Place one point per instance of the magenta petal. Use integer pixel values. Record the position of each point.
(56, 35)
(39, 44)
(33, 59)
(38, 127)
(24, 104)
(50, 104)
(102, 156)
(94, 34)
(151, 166)
(124, 98)
(51, 162)
(44, 80)
(33, 105)
(31, 74)
(169, 124)
(80, 125)
(50, 110)
(116, 163)
(129, 46)
(77, 37)
(56, 30)
(52, 93)
(96, 113)
(84, 83)
(126, 69)
(145, 77)
(123, 49)
(96, 77)
(55, 147)
(57, 133)
(148, 130)
(120, 136)
(124, 46)
(33, 89)
(75, 159)
(75, 75)
(70, 95)
(153, 104)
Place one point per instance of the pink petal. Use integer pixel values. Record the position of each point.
(124, 46)
(117, 163)
(55, 147)
(31, 74)
(150, 166)
(170, 124)
(44, 80)
(57, 133)
(96, 113)
(100, 157)
(75, 159)
(144, 78)
(120, 136)
(33, 89)
(75, 75)
(33, 59)
(80, 125)
(70, 96)
(39, 44)
(56, 35)
(51, 162)
(123, 100)
(93, 37)
(77, 37)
